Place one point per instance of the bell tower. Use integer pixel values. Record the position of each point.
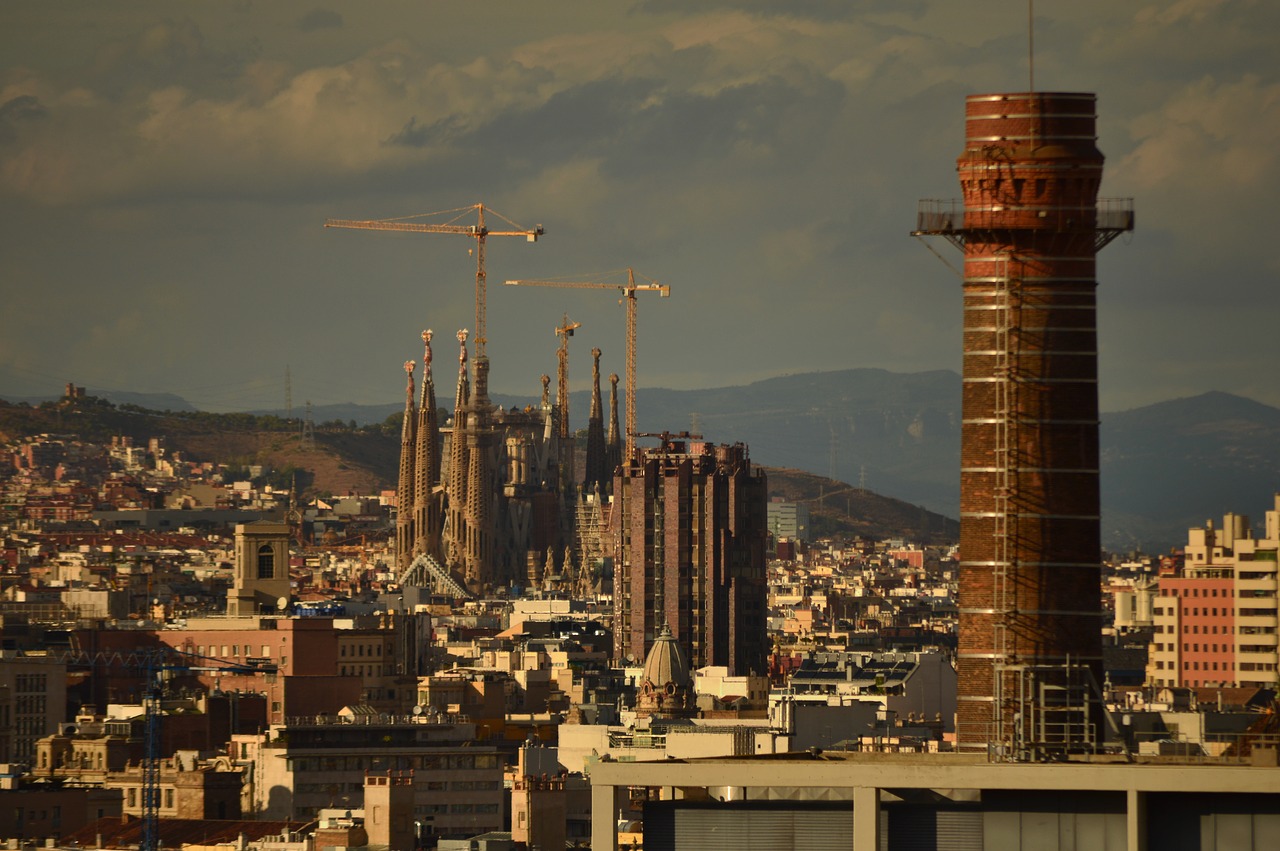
(261, 569)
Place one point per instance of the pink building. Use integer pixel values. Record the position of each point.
(1216, 619)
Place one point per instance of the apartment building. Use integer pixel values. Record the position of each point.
(1216, 617)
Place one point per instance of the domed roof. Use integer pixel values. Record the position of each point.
(664, 664)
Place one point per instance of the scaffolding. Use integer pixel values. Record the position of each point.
(591, 530)
(425, 570)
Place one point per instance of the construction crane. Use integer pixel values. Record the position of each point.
(479, 232)
(629, 290)
(154, 664)
(565, 332)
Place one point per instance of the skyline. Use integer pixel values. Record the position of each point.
(166, 172)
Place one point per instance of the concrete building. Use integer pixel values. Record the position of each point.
(872, 801)
(41, 811)
(689, 521)
(308, 764)
(33, 698)
(1030, 225)
(1216, 621)
(314, 664)
(915, 685)
(788, 520)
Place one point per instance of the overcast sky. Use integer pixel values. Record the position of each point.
(166, 168)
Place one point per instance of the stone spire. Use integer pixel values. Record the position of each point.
(596, 475)
(427, 514)
(458, 461)
(613, 447)
(405, 488)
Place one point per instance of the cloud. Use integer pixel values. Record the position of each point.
(15, 111)
(319, 19)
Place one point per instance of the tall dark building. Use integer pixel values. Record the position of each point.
(689, 522)
(1030, 226)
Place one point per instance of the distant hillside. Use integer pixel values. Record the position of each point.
(339, 461)
(1175, 464)
(837, 508)
(1164, 467)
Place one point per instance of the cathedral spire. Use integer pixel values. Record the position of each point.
(426, 506)
(613, 448)
(596, 475)
(405, 488)
(458, 461)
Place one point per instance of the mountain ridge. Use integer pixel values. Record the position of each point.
(1165, 466)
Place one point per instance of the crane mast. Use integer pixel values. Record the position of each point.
(479, 232)
(628, 290)
(564, 332)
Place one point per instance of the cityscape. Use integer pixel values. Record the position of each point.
(514, 613)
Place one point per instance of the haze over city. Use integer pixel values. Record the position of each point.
(165, 171)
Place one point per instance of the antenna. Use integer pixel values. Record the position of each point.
(1031, 45)
(288, 394)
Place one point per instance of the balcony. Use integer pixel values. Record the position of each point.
(949, 218)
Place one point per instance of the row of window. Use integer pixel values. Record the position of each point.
(233, 650)
(1213, 592)
(1213, 666)
(366, 670)
(31, 683)
(425, 762)
(135, 795)
(358, 650)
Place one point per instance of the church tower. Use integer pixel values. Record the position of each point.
(261, 569)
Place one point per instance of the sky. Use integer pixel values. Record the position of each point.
(166, 169)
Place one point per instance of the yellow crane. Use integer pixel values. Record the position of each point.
(567, 475)
(564, 332)
(629, 290)
(479, 232)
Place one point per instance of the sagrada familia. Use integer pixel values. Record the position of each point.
(495, 503)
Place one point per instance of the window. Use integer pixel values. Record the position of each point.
(266, 562)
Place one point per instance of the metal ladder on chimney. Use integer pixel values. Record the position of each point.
(1003, 741)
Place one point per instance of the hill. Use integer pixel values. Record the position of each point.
(839, 509)
(1174, 464)
(337, 461)
(1164, 467)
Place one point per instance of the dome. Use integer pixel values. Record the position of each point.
(665, 689)
(664, 664)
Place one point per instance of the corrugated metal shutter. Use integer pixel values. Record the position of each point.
(916, 828)
(731, 828)
(959, 830)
